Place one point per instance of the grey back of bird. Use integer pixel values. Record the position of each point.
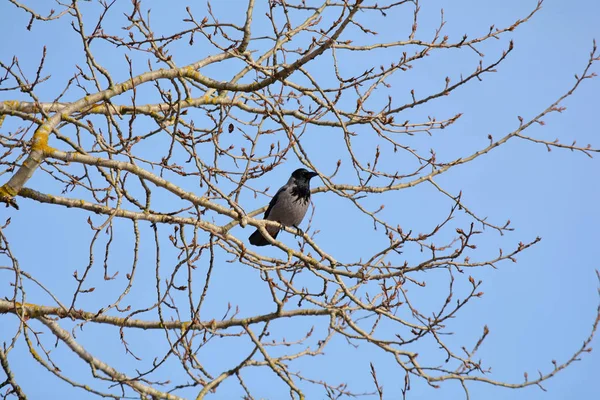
(290, 207)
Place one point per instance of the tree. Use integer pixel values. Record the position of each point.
(163, 137)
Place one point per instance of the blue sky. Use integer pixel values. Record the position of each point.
(537, 310)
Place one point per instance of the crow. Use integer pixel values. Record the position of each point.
(288, 206)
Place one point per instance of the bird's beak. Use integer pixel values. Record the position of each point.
(312, 175)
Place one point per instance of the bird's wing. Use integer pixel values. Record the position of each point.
(274, 200)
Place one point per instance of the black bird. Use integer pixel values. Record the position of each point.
(288, 206)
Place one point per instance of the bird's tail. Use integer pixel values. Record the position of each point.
(258, 239)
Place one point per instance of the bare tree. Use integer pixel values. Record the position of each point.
(165, 160)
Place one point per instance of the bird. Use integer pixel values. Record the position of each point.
(288, 206)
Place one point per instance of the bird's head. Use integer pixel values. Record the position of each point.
(302, 175)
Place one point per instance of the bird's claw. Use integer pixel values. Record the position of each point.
(299, 232)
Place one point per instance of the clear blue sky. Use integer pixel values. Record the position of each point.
(538, 309)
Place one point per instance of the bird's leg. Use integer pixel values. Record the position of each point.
(281, 227)
(298, 231)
